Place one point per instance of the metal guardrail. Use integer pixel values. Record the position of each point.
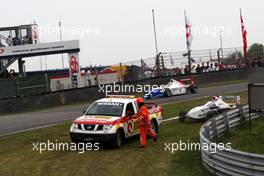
(229, 162)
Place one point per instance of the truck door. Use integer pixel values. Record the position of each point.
(135, 120)
(130, 125)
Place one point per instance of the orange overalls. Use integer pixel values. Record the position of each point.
(144, 125)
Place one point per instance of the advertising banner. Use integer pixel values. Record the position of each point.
(40, 49)
(74, 69)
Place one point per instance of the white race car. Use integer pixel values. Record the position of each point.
(174, 87)
(210, 109)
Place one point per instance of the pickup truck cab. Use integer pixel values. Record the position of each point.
(111, 120)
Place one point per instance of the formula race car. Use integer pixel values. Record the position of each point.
(212, 108)
(110, 120)
(174, 87)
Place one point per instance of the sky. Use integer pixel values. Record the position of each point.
(113, 31)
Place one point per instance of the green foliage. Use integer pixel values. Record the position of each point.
(255, 51)
(232, 58)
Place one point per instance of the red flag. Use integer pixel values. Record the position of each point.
(189, 37)
(244, 34)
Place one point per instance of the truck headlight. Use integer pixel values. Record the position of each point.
(74, 126)
(107, 127)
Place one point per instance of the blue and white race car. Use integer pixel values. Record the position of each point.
(174, 87)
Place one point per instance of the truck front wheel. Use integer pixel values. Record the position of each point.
(118, 139)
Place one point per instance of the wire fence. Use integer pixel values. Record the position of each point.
(175, 63)
(170, 60)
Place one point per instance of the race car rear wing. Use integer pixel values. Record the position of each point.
(234, 98)
(187, 81)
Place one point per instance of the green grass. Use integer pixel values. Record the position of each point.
(18, 158)
(242, 139)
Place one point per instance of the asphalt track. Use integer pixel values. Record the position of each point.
(21, 122)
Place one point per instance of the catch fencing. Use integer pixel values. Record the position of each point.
(229, 162)
(174, 63)
(179, 59)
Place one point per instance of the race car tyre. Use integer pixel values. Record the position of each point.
(211, 114)
(118, 139)
(168, 92)
(154, 126)
(193, 89)
(182, 116)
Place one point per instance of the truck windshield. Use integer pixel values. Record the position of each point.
(106, 109)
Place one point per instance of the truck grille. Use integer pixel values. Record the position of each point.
(89, 127)
(100, 127)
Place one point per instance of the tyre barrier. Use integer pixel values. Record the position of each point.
(229, 162)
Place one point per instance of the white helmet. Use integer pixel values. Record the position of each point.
(214, 98)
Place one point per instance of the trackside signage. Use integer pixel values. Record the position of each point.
(75, 70)
(255, 91)
(40, 49)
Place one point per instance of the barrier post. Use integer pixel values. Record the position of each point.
(214, 125)
(207, 132)
(226, 121)
(242, 114)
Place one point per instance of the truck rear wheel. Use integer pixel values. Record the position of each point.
(154, 126)
(118, 139)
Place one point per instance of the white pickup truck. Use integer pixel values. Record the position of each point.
(111, 120)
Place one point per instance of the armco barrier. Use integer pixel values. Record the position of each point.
(30, 85)
(88, 94)
(47, 100)
(229, 162)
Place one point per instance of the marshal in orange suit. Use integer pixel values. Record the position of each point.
(144, 123)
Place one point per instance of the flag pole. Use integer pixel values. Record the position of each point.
(187, 43)
(157, 65)
(62, 59)
(240, 12)
(155, 32)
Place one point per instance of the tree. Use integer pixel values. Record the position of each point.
(232, 58)
(255, 51)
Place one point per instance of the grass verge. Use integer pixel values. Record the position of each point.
(244, 140)
(18, 157)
